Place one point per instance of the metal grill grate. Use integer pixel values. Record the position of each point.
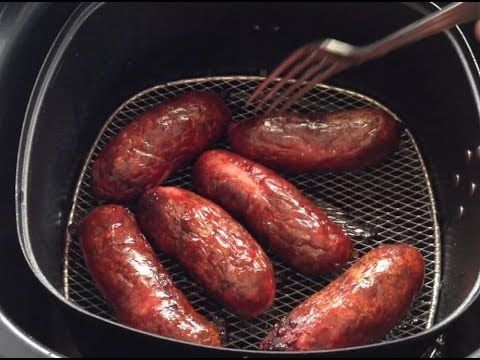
(389, 203)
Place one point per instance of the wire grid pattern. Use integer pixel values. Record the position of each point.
(388, 203)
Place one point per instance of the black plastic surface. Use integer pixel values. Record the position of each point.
(462, 339)
(26, 309)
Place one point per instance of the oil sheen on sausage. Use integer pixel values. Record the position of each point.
(298, 143)
(158, 143)
(359, 307)
(134, 282)
(274, 210)
(214, 247)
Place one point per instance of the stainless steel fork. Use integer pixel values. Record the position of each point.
(314, 63)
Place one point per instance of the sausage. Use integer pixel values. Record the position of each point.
(158, 143)
(359, 307)
(274, 210)
(215, 248)
(134, 282)
(298, 143)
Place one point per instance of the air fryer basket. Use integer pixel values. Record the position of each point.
(424, 195)
(389, 203)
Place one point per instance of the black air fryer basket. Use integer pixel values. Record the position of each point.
(113, 61)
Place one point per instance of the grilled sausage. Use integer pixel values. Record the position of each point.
(134, 282)
(298, 143)
(157, 143)
(215, 248)
(274, 210)
(359, 307)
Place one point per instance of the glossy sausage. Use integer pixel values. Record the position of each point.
(359, 307)
(274, 210)
(298, 143)
(215, 248)
(158, 143)
(134, 282)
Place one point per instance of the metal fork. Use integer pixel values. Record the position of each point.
(314, 63)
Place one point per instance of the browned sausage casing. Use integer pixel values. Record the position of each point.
(297, 143)
(134, 282)
(274, 209)
(214, 248)
(157, 143)
(359, 307)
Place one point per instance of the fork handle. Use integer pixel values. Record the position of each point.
(454, 14)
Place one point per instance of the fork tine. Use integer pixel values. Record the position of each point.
(333, 69)
(305, 77)
(294, 57)
(295, 70)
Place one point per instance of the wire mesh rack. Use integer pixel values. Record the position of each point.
(391, 202)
